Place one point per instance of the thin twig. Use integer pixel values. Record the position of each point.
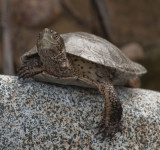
(101, 8)
(7, 48)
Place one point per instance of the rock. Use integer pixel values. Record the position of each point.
(134, 51)
(36, 13)
(43, 116)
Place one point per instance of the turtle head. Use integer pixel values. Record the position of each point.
(50, 46)
(49, 43)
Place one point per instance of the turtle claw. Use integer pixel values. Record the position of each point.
(27, 73)
(22, 73)
(112, 129)
(109, 131)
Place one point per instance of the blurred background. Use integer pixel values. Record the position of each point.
(133, 26)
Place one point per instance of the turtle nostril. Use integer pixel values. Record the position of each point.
(46, 30)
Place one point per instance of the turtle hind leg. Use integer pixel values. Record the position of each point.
(111, 123)
(30, 67)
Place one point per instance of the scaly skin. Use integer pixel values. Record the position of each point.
(30, 67)
(113, 110)
(52, 58)
(101, 77)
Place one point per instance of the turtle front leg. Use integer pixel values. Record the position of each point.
(30, 67)
(113, 110)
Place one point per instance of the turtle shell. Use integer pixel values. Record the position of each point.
(97, 50)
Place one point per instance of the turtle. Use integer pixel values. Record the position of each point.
(85, 60)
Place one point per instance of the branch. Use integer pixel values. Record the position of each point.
(101, 8)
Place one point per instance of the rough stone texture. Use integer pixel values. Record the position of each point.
(42, 116)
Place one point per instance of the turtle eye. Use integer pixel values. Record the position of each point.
(55, 35)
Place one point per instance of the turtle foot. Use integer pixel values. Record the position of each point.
(110, 130)
(29, 68)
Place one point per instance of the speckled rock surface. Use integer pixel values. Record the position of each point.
(41, 116)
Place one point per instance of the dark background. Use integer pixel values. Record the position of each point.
(128, 21)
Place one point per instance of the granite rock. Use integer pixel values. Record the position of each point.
(36, 115)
